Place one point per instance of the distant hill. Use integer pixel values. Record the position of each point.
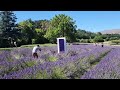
(113, 31)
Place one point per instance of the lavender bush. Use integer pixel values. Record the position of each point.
(108, 67)
(74, 64)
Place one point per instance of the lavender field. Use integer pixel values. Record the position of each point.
(80, 62)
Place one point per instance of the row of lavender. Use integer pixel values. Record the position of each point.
(108, 68)
(19, 63)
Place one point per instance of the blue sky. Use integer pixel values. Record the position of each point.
(94, 21)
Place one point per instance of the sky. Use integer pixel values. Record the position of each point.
(94, 21)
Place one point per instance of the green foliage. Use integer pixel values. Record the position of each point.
(114, 38)
(39, 38)
(98, 39)
(27, 30)
(82, 34)
(41, 75)
(85, 41)
(45, 31)
(7, 24)
(52, 34)
(42, 24)
(91, 40)
(33, 41)
(61, 26)
(41, 27)
(8, 28)
(6, 49)
(74, 72)
(99, 33)
(115, 42)
(109, 37)
(52, 59)
(32, 45)
(31, 63)
(4, 43)
(95, 61)
(57, 73)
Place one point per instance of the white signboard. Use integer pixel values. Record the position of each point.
(61, 44)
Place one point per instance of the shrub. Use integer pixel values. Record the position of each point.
(114, 38)
(115, 41)
(107, 39)
(98, 39)
(52, 59)
(58, 73)
(41, 75)
(33, 41)
(4, 43)
(85, 41)
(91, 41)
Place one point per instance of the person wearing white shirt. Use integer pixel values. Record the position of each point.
(34, 51)
(15, 44)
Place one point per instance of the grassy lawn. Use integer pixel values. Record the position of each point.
(28, 46)
(8, 49)
(110, 43)
(32, 45)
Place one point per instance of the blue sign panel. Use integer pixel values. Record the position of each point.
(61, 44)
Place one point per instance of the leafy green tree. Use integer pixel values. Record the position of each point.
(115, 41)
(98, 39)
(61, 26)
(27, 30)
(82, 34)
(8, 27)
(39, 37)
(52, 34)
(99, 33)
(42, 24)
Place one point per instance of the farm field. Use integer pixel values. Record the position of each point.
(79, 62)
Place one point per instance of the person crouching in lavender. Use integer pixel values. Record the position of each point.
(34, 51)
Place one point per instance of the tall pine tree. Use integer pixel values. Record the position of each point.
(8, 27)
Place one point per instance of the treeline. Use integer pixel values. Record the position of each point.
(44, 31)
(34, 32)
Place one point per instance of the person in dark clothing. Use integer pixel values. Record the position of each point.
(102, 45)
